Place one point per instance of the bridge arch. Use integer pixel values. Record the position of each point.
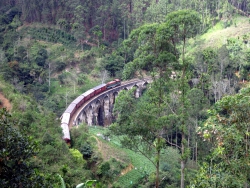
(114, 96)
(144, 87)
(99, 113)
(137, 92)
(144, 84)
(90, 115)
(81, 118)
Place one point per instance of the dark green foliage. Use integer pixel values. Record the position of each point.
(113, 63)
(16, 150)
(109, 170)
(51, 35)
(9, 15)
(60, 66)
(26, 119)
(88, 62)
(227, 128)
(47, 139)
(41, 57)
(79, 136)
(104, 169)
(86, 150)
(61, 78)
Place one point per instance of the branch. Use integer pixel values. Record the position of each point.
(170, 108)
(145, 155)
(173, 144)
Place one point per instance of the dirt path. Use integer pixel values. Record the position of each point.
(5, 103)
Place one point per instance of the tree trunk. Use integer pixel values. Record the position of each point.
(157, 169)
(182, 173)
(182, 160)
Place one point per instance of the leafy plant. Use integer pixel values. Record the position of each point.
(16, 150)
(88, 183)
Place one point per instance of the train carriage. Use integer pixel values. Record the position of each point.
(65, 118)
(66, 134)
(71, 109)
(99, 89)
(114, 83)
(88, 94)
(78, 101)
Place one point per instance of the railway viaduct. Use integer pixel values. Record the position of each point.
(98, 110)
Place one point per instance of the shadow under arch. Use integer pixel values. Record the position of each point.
(82, 118)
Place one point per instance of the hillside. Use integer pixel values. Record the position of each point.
(53, 51)
(218, 35)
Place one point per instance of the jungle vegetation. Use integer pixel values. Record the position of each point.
(190, 128)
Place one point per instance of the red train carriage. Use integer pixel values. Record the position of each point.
(99, 89)
(114, 83)
(78, 101)
(88, 94)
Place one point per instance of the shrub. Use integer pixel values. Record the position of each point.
(77, 156)
(86, 150)
(60, 66)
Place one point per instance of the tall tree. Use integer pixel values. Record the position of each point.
(183, 25)
(157, 50)
(145, 123)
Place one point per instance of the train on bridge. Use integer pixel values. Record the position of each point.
(73, 107)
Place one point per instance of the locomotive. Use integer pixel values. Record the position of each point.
(72, 108)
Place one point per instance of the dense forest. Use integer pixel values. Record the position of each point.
(190, 128)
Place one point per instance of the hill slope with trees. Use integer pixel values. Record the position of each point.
(53, 50)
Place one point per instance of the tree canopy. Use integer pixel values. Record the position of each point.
(16, 150)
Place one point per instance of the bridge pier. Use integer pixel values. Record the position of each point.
(90, 116)
(107, 112)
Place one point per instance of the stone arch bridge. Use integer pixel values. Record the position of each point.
(98, 110)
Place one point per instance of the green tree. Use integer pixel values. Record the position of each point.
(154, 52)
(140, 127)
(197, 113)
(113, 63)
(158, 48)
(183, 25)
(157, 11)
(228, 130)
(144, 124)
(16, 150)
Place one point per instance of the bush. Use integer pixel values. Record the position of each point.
(103, 169)
(60, 66)
(86, 150)
(77, 156)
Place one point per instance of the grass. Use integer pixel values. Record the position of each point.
(141, 165)
(218, 35)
